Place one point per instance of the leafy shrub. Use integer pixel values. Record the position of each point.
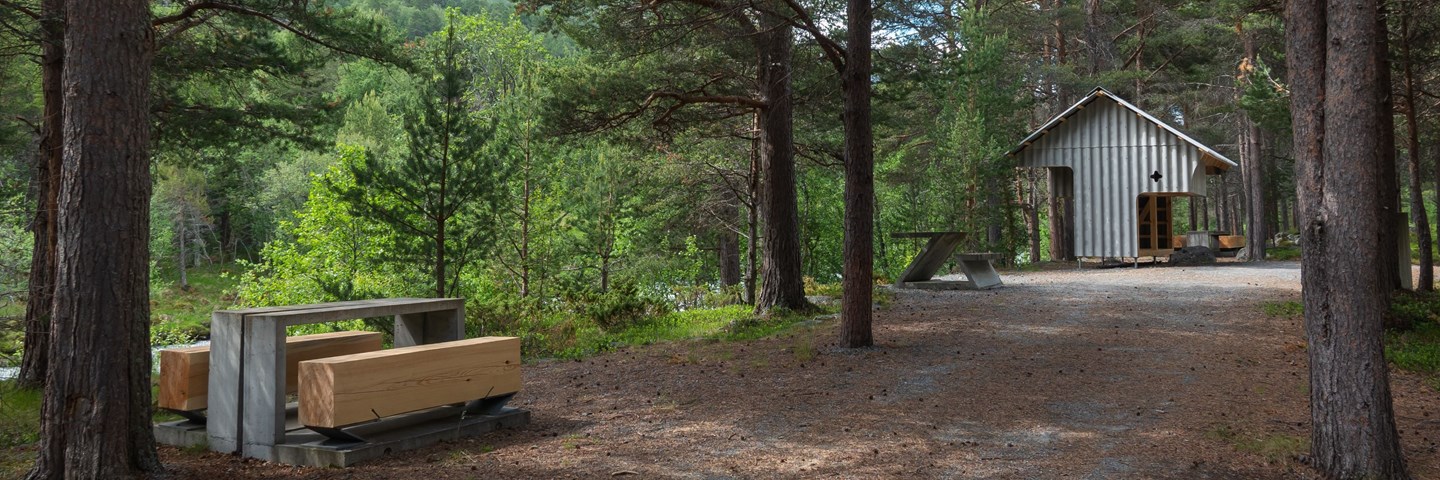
(621, 307)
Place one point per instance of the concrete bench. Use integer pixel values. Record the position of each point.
(980, 273)
(920, 271)
(249, 365)
(336, 392)
(185, 372)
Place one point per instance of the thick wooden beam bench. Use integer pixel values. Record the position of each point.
(475, 375)
(185, 372)
(249, 365)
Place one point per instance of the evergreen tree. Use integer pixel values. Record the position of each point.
(440, 196)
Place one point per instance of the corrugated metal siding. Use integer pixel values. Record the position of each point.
(1111, 153)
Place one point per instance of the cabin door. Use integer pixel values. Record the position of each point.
(1154, 225)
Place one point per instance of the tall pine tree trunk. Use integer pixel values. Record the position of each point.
(1335, 83)
(1418, 214)
(1254, 168)
(40, 306)
(859, 243)
(96, 410)
(781, 267)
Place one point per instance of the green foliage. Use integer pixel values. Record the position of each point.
(437, 199)
(326, 253)
(621, 307)
(1415, 308)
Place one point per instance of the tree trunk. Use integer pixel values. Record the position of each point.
(1254, 165)
(1032, 218)
(1389, 191)
(1098, 47)
(781, 268)
(1205, 213)
(1417, 187)
(859, 243)
(728, 242)
(1334, 80)
(1256, 232)
(40, 306)
(96, 411)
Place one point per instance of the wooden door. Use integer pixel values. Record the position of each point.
(1154, 225)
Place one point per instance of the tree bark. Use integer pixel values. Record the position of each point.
(1334, 76)
(1098, 46)
(1389, 191)
(783, 285)
(96, 409)
(1254, 167)
(1418, 214)
(40, 306)
(859, 243)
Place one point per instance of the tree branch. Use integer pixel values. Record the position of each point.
(34, 15)
(194, 8)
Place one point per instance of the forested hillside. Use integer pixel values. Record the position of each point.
(554, 154)
(591, 173)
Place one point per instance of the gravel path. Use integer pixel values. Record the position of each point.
(1155, 372)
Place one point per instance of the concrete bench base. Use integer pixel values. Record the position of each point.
(306, 448)
(309, 449)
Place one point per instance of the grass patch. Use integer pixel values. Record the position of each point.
(19, 428)
(1274, 447)
(1282, 253)
(1416, 350)
(1283, 309)
(181, 315)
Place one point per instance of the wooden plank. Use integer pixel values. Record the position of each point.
(1232, 241)
(185, 372)
(339, 391)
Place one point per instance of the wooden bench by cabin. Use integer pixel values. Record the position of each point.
(185, 372)
(339, 391)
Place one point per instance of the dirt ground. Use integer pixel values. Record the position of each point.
(1155, 372)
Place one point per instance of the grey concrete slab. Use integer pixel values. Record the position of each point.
(936, 252)
(310, 449)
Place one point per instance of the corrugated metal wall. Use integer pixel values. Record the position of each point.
(1111, 153)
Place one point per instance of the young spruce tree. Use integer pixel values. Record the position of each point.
(436, 199)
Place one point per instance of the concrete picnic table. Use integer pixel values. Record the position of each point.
(980, 274)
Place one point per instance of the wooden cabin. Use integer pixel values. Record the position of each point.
(1115, 172)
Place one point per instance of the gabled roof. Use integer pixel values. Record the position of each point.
(1102, 92)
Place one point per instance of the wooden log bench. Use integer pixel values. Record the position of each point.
(185, 372)
(479, 373)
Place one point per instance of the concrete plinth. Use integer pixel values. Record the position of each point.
(309, 449)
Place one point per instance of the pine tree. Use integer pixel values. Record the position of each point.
(442, 193)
